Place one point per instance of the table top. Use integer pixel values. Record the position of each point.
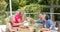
(47, 30)
(38, 29)
(50, 31)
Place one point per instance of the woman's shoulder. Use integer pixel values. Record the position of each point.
(49, 20)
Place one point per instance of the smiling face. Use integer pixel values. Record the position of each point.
(21, 12)
(42, 16)
(10, 19)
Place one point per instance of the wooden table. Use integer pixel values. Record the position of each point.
(50, 31)
(46, 30)
(25, 30)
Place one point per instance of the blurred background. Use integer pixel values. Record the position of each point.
(32, 7)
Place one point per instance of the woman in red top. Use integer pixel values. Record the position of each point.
(18, 18)
(14, 22)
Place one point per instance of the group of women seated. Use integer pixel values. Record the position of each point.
(16, 23)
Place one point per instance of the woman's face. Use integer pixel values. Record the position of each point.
(40, 16)
(10, 19)
(21, 12)
(44, 19)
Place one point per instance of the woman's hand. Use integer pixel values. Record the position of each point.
(12, 30)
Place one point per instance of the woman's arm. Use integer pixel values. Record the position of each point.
(17, 24)
(9, 26)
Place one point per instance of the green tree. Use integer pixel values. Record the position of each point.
(44, 2)
(32, 8)
(3, 6)
(15, 5)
